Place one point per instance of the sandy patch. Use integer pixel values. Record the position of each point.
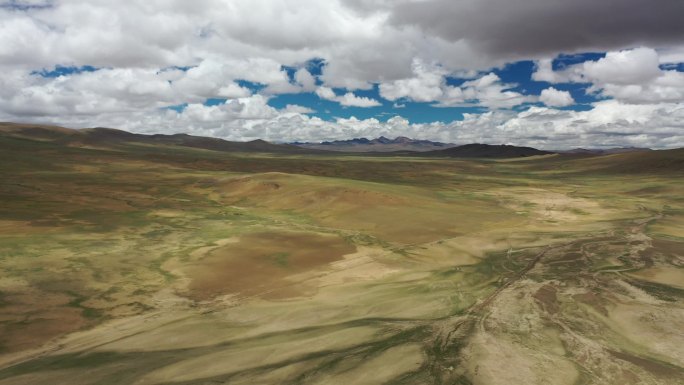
(658, 329)
(666, 275)
(363, 265)
(449, 252)
(266, 352)
(13, 228)
(392, 363)
(548, 205)
(497, 361)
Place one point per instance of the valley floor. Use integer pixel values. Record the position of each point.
(146, 265)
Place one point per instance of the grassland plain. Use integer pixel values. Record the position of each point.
(156, 264)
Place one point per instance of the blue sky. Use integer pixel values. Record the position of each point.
(516, 74)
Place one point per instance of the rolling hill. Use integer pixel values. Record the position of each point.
(376, 147)
(112, 137)
(171, 259)
(478, 150)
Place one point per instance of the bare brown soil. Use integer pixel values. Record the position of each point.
(259, 263)
(546, 298)
(28, 320)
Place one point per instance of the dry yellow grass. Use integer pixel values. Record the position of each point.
(155, 264)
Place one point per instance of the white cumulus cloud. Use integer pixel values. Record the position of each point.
(348, 99)
(157, 53)
(556, 98)
(632, 75)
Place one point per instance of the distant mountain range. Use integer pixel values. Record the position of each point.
(402, 143)
(111, 138)
(381, 144)
(400, 146)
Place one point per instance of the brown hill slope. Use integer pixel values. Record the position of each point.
(642, 162)
(636, 162)
(105, 137)
(100, 137)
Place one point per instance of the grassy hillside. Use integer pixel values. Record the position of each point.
(142, 262)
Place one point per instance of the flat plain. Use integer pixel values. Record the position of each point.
(134, 263)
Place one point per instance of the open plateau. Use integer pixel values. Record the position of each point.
(133, 259)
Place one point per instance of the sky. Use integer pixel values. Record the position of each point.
(553, 74)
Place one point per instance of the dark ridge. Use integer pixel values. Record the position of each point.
(36, 131)
(603, 151)
(478, 150)
(108, 134)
